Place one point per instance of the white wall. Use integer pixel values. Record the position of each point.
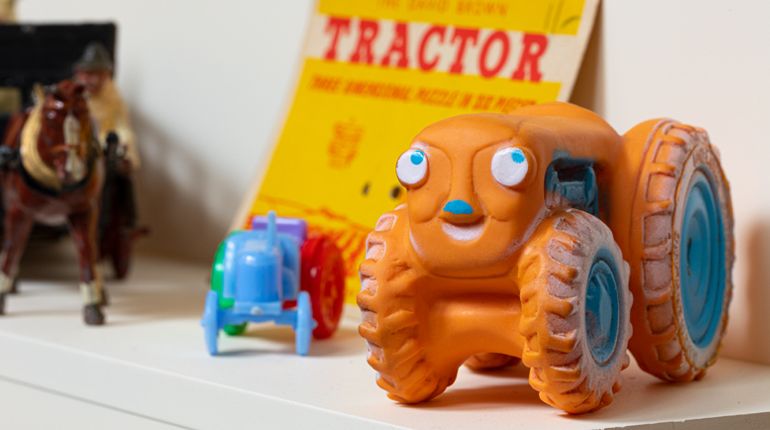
(205, 82)
(705, 63)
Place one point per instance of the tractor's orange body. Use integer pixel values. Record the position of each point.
(516, 241)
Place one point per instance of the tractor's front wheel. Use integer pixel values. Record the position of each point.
(391, 324)
(210, 323)
(575, 312)
(304, 326)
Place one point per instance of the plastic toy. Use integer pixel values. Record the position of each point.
(53, 173)
(545, 235)
(263, 274)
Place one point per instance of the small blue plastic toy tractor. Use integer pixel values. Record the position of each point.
(273, 273)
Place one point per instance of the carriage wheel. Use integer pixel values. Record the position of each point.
(121, 254)
(323, 277)
(305, 323)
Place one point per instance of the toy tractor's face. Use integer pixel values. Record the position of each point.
(472, 195)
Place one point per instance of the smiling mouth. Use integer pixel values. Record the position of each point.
(462, 233)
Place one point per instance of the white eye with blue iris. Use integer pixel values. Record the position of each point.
(509, 166)
(412, 166)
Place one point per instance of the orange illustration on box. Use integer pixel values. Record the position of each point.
(544, 236)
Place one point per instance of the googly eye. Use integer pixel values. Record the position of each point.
(412, 166)
(509, 166)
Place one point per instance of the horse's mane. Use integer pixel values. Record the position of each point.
(30, 156)
(31, 159)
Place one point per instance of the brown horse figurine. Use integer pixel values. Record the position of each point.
(57, 178)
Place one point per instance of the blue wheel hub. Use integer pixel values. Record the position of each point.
(702, 260)
(304, 325)
(210, 322)
(603, 308)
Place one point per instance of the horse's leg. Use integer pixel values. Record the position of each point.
(83, 228)
(17, 226)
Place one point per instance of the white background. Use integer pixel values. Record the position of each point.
(704, 63)
(206, 83)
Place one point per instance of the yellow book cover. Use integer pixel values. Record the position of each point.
(375, 72)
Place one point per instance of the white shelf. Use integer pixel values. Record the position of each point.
(148, 368)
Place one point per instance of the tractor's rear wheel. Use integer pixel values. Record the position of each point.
(323, 277)
(681, 255)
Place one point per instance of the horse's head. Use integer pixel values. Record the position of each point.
(65, 131)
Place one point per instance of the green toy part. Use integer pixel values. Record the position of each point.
(217, 280)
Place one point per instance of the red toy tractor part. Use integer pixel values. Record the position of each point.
(323, 277)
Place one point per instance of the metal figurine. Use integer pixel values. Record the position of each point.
(53, 173)
(117, 225)
(95, 71)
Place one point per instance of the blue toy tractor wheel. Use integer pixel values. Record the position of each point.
(702, 260)
(210, 323)
(602, 306)
(305, 323)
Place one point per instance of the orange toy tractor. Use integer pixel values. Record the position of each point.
(546, 236)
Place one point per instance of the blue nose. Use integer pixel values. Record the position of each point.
(458, 207)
